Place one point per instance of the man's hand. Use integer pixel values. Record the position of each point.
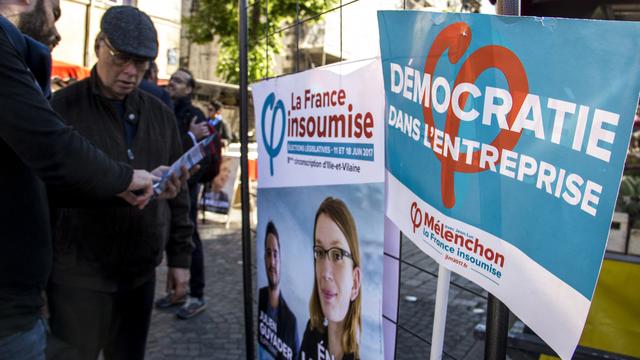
(175, 182)
(142, 184)
(177, 282)
(200, 130)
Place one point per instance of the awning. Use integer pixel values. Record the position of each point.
(67, 71)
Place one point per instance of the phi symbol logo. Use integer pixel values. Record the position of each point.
(456, 39)
(416, 216)
(273, 142)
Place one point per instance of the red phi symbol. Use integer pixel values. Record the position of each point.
(416, 216)
(456, 38)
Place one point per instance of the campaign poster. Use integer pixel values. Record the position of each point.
(506, 141)
(220, 195)
(319, 240)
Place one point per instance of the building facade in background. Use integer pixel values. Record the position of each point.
(334, 37)
(80, 23)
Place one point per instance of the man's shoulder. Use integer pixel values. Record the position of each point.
(156, 91)
(263, 293)
(151, 88)
(11, 37)
(196, 111)
(154, 105)
(70, 91)
(284, 309)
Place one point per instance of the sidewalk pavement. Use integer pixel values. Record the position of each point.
(218, 332)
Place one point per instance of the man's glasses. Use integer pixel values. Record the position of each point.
(177, 80)
(122, 59)
(336, 255)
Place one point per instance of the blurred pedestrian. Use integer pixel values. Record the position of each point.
(193, 127)
(191, 120)
(102, 285)
(215, 119)
(149, 84)
(36, 148)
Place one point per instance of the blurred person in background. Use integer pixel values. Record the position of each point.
(149, 84)
(215, 119)
(193, 128)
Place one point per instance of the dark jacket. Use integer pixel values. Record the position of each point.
(36, 146)
(287, 328)
(312, 340)
(157, 91)
(185, 112)
(104, 248)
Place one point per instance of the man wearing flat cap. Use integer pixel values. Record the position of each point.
(102, 284)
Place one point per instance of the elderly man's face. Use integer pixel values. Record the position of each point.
(40, 23)
(119, 73)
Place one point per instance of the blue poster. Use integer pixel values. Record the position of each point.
(506, 139)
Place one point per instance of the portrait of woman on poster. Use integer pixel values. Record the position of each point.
(334, 326)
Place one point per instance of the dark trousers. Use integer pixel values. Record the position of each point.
(115, 322)
(196, 281)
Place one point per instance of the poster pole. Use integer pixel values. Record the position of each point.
(497, 313)
(440, 313)
(495, 347)
(244, 190)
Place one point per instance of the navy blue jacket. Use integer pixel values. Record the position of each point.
(157, 91)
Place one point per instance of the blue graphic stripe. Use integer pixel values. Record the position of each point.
(332, 149)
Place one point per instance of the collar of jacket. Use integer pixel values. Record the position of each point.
(36, 55)
(182, 103)
(131, 102)
(97, 88)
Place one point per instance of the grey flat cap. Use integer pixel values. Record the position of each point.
(130, 31)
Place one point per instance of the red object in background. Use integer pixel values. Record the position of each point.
(67, 71)
(253, 169)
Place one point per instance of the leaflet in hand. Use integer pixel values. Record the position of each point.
(189, 159)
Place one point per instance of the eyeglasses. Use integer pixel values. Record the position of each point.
(177, 80)
(336, 255)
(122, 59)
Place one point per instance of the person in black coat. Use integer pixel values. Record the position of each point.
(102, 285)
(191, 121)
(192, 126)
(38, 150)
(277, 325)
